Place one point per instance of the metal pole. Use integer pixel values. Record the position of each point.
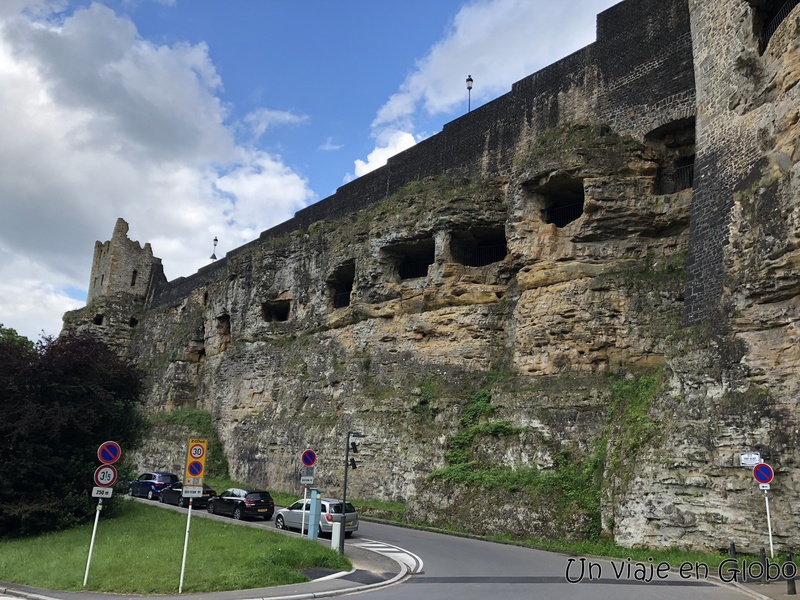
(769, 525)
(91, 544)
(791, 589)
(344, 492)
(185, 545)
(303, 522)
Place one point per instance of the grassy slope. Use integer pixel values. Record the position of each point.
(140, 552)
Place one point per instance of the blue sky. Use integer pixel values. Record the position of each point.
(200, 118)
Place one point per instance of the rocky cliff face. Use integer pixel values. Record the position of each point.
(513, 346)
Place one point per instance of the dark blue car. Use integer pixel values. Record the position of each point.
(149, 485)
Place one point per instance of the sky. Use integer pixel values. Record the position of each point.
(196, 119)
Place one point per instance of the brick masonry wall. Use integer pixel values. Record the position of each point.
(726, 146)
(637, 76)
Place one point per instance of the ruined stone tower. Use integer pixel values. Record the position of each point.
(124, 278)
(122, 266)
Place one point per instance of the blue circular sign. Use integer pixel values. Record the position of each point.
(763, 473)
(309, 458)
(109, 452)
(195, 469)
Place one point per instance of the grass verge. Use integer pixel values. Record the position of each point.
(139, 551)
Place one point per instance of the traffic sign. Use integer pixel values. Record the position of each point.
(197, 451)
(105, 475)
(102, 492)
(192, 492)
(195, 461)
(309, 458)
(763, 473)
(307, 476)
(109, 453)
(749, 459)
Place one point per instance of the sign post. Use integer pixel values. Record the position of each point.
(195, 470)
(764, 474)
(308, 459)
(104, 477)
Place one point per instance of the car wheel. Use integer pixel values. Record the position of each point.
(210, 508)
(279, 522)
(161, 499)
(181, 502)
(347, 534)
(130, 491)
(150, 494)
(237, 513)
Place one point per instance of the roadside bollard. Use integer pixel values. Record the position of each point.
(733, 556)
(763, 578)
(790, 587)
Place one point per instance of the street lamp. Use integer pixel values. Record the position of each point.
(469, 93)
(214, 252)
(347, 464)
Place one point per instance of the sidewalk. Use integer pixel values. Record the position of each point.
(767, 591)
(370, 571)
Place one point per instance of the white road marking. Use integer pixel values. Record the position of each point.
(411, 560)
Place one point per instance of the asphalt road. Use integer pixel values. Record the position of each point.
(466, 569)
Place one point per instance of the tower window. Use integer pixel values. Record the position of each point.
(133, 277)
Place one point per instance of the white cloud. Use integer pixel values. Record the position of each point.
(396, 142)
(99, 123)
(329, 146)
(263, 118)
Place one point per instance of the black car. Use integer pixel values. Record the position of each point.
(150, 484)
(173, 494)
(240, 503)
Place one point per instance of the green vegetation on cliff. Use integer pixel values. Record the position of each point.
(201, 425)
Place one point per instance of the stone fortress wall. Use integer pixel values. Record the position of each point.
(636, 77)
(544, 237)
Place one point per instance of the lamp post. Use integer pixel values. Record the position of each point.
(469, 93)
(214, 252)
(347, 461)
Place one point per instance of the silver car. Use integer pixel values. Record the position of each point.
(330, 513)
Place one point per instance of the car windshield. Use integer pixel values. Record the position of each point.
(258, 496)
(337, 508)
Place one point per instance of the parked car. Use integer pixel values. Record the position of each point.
(330, 512)
(150, 484)
(173, 494)
(240, 503)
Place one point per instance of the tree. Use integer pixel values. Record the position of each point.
(59, 400)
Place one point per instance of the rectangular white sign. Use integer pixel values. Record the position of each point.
(192, 492)
(101, 492)
(749, 459)
(306, 481)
